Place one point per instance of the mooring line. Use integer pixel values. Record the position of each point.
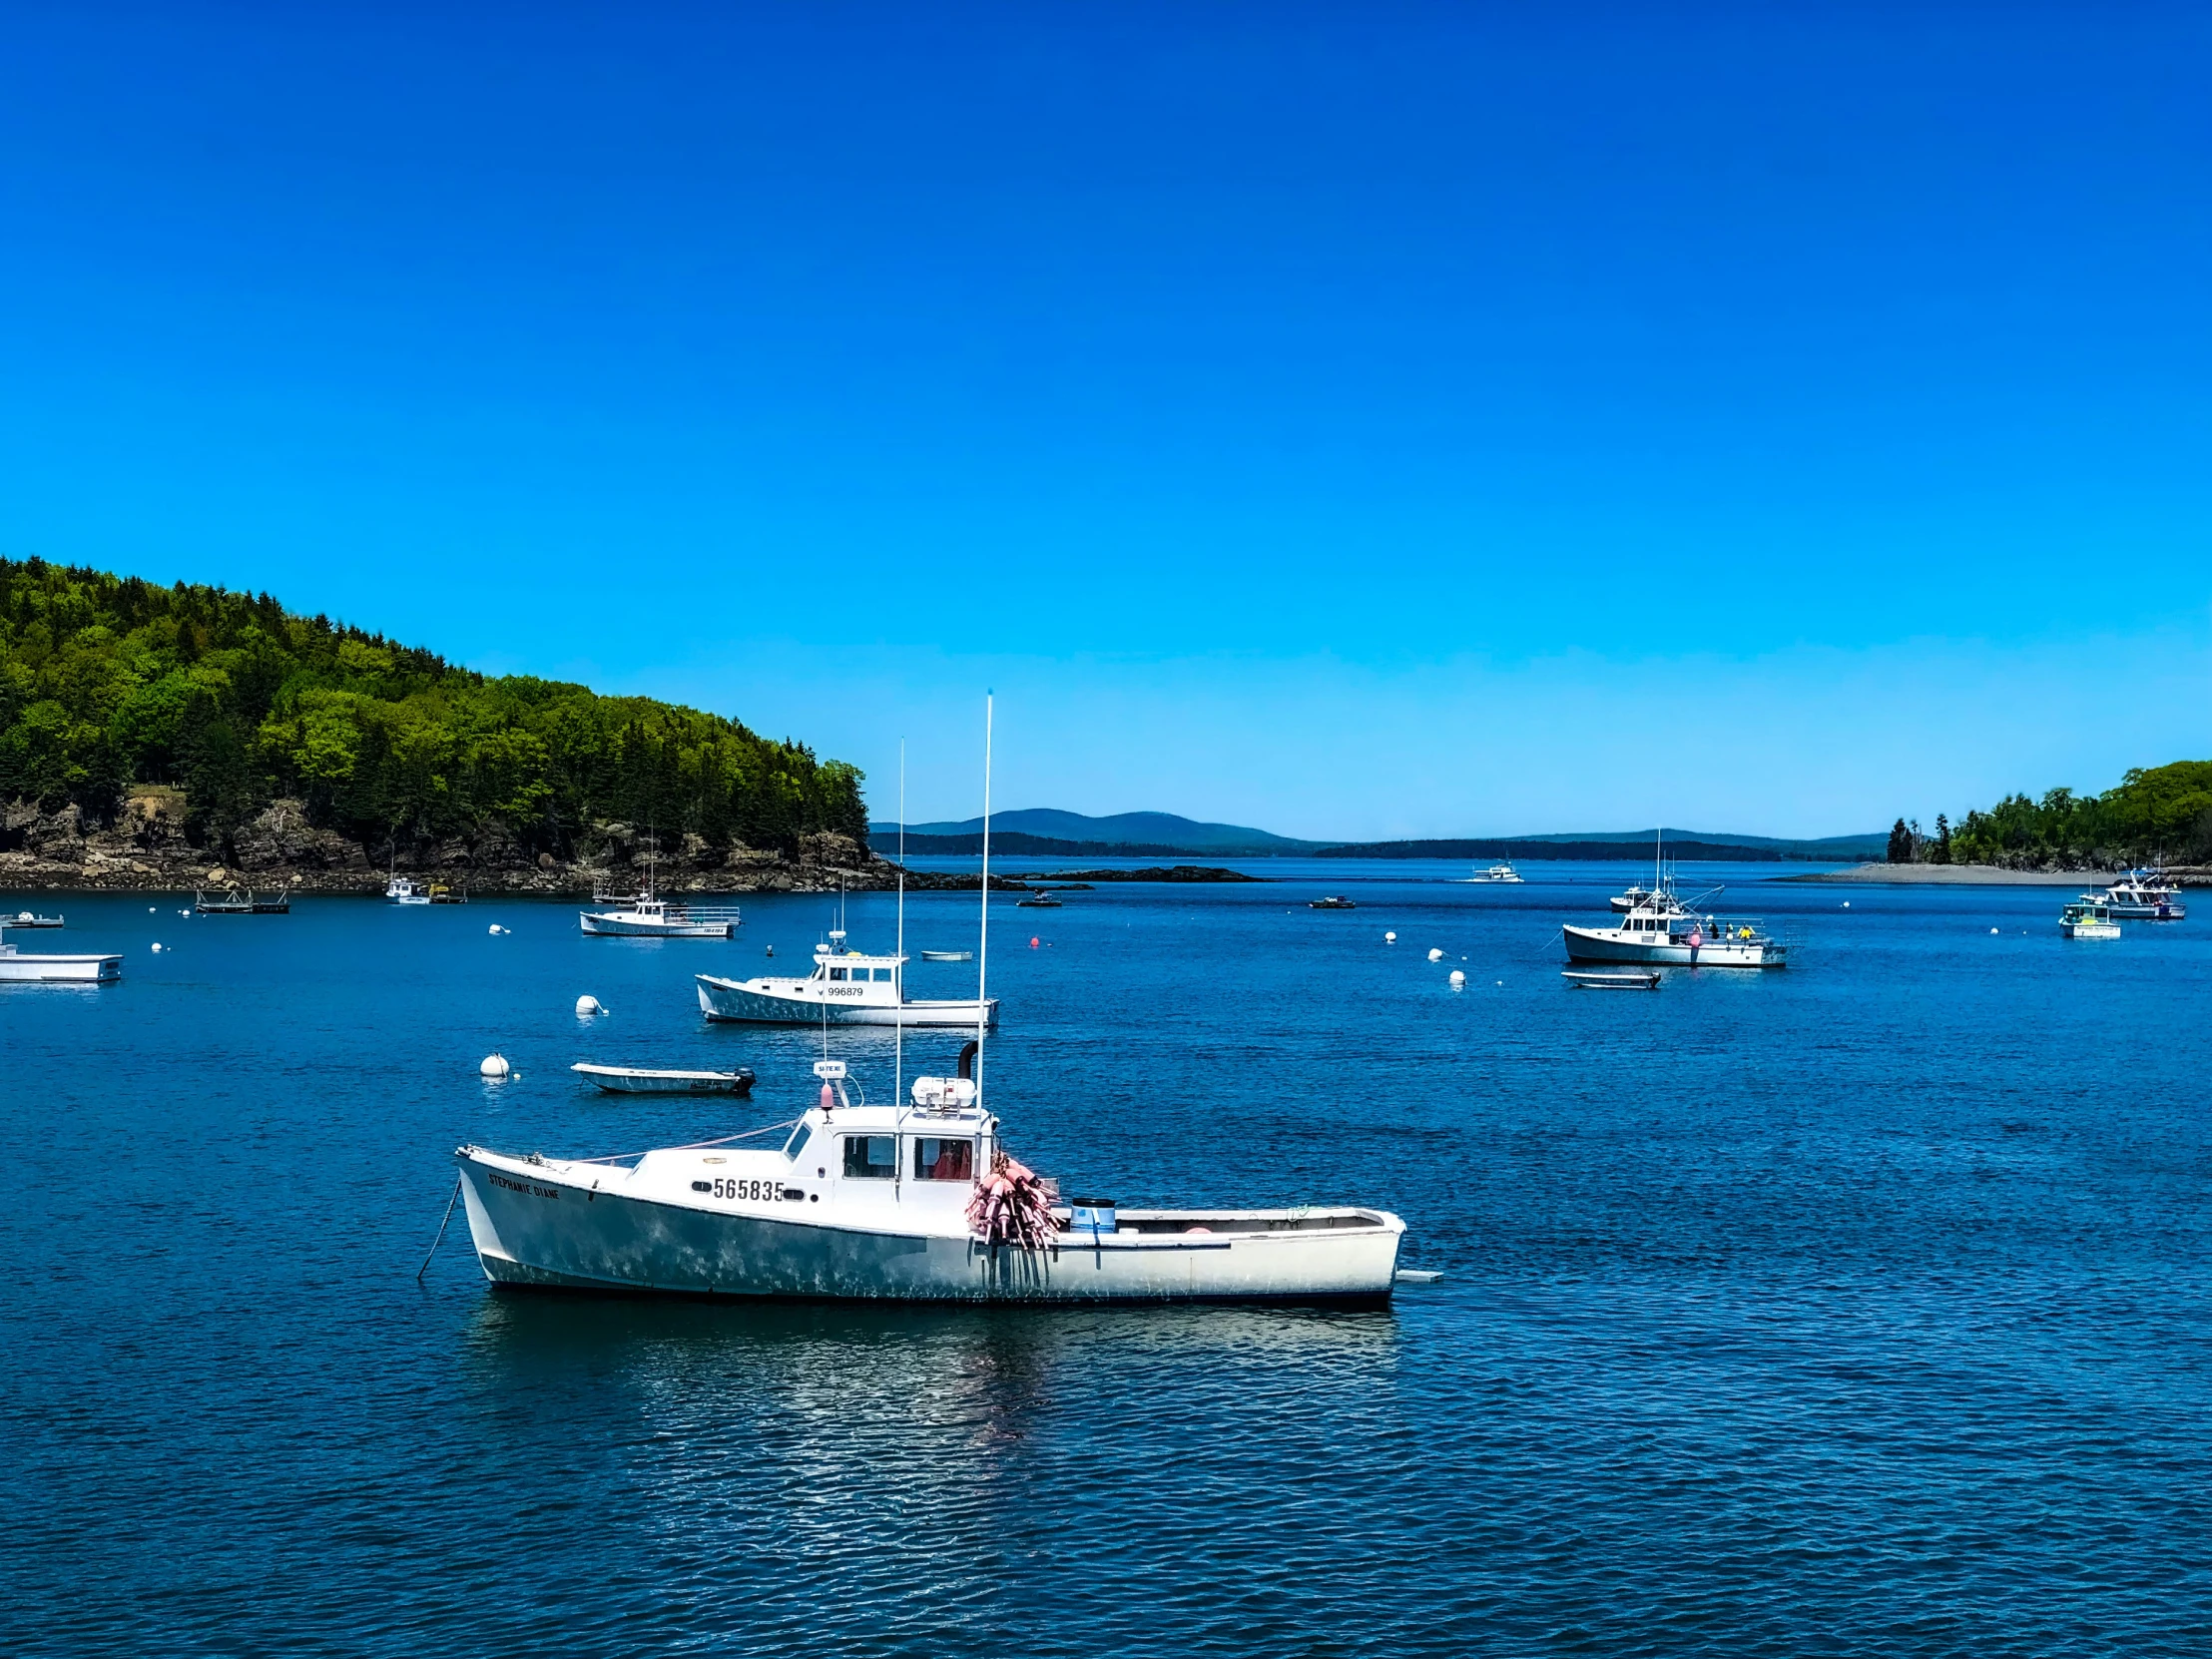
(440, 1239)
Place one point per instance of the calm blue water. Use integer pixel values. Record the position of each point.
(1856, 1308)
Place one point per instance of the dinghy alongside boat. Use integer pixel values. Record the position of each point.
(1626, 979)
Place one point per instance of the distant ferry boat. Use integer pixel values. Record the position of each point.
(1497, 873)
(847, 987)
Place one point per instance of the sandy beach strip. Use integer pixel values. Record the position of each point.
(1964, 875)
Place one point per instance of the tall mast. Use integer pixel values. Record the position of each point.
(983, 945)
(899, 1037)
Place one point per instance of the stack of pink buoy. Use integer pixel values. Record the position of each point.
(1012, 1207)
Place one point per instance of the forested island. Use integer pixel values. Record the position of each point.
(155, 736)
(2155, 814)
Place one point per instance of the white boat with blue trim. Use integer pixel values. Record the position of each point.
(21, 967)
(847, 987)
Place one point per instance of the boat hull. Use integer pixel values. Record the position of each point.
(540, 1226)
(2089, 930)
(617, 927)
(1589, 944)
(725, 999)
(620, 1080)
(60, 970)
(2147, 912)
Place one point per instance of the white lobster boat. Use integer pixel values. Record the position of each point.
(873, 1201)
(847, 987)
(20, 968)
(1663, 932)
(656, 918)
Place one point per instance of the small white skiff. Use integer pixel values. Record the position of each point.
(847, 987)
(1624, 979)
(20, 967)
(874, 1202)
(639, 1080)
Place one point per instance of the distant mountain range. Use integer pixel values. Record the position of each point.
(1133, 834)
(1043, 831)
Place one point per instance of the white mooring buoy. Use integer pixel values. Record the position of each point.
(157, 948)
(1458, 979)
(585, 1006)
(494, 1066)
(1436, 955)
(1390, 939)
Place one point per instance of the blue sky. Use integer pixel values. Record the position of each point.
(1352, 420)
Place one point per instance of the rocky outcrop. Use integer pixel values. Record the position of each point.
(280, 838)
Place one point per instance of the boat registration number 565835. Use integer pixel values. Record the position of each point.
(734, 1188)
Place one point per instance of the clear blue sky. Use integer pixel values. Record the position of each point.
(1364, 420)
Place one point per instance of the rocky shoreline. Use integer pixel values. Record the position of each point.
(147, 849)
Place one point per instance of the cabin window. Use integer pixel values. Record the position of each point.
(797, 1143)
(871, 1158)
(883, 976)
(938, 1160)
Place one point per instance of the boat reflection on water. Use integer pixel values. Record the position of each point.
(850, 1389)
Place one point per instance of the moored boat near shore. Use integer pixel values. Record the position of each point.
(2142, 896)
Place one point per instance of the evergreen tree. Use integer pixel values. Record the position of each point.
(108, 683)
(1901, 844)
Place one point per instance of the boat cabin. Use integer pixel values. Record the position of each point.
(911, 1165)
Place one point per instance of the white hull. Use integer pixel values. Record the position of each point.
(2146, 913)
(2090, 929)
(813, 1002)
(59, 971)
(627, 928)
(1606, 945)
(573, 1224)
(638, 1080)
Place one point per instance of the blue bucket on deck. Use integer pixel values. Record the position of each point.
(1090, 1215)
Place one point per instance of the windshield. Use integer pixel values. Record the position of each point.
(797, 1143)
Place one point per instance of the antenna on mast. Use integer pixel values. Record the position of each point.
(983, 945)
